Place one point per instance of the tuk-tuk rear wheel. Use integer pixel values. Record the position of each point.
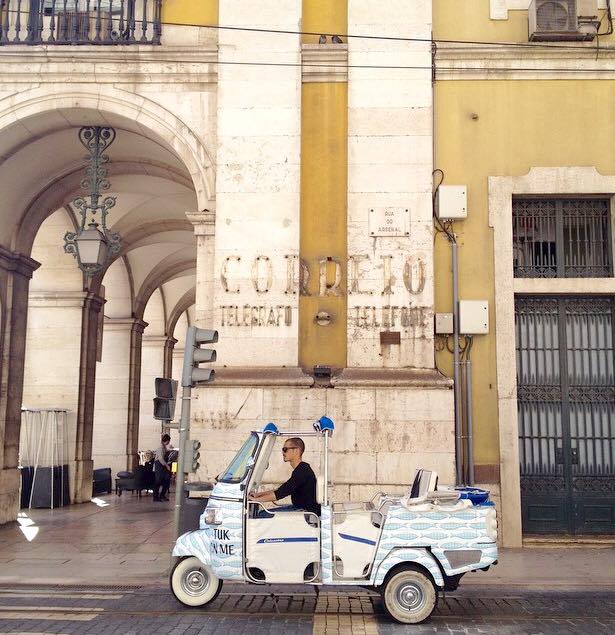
(409, 595)
(193, 583)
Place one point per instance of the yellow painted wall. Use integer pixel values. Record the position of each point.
(469, 20)
(190, 11)
(324, 177)
(324, 170)
(520, 124)
(324, 16)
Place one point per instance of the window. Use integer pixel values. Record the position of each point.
(562, 238)
(238, 468)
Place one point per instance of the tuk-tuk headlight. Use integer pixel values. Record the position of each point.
(212, 517)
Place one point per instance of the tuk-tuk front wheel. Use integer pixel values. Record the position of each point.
(409, 595)
(193, 583)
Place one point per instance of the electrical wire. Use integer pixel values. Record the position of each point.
(393, 38)
(441, 227)
(609, 17)
(431, 68)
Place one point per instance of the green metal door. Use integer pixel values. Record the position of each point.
(566, 409)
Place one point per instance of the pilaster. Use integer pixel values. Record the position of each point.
(154, 349)
(390, 225)
(204, 224)
(134, 392)
(112, 387)
(92, 306)
(15, 274)
(169, 347)
(258, 185)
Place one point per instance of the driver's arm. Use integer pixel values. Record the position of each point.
(286, 489)
(263, 497)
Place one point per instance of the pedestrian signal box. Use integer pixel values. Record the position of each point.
(164, 402)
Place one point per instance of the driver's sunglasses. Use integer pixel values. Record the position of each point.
(289, 447)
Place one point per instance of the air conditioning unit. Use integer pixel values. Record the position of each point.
(556, 20)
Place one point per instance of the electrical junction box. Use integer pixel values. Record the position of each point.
(444, 323)
(473, 317)
(452, 202)
(587, 9)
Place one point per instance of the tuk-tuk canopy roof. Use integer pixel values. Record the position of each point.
(322, 426)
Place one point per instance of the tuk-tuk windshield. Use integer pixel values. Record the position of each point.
(238, 468)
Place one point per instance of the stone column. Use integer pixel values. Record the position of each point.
(390, 303)
(112, 383)
(152, 366)
(169, 347)
(178, 363)
(53, 356)
(84, 465)
(134, 393)
(15, 273)
(204, 230)
(258, 186)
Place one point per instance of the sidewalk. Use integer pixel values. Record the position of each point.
(126, 541)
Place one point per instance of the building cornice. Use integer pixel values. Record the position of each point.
(204, 222)
(391, 378)
(117, 64)
(17, 263)
(262, 376)
(56, 299)
(505, 61)
(322, 63)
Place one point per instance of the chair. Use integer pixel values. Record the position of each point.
(124, 481)
(144, 478)
(424, 481)
(101, 481)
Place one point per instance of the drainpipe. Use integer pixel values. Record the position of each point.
(451, 237)
(456, 366)
(469, 422)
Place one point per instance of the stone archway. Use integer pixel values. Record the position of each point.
(138, 116)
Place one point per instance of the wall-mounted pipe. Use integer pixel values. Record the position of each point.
(469, 418)
(456, 369)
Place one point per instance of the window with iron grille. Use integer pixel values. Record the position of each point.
(562, 238)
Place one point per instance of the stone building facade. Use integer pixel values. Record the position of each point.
(279, 188)
(261, 190)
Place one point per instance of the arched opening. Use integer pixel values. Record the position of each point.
(82, 347)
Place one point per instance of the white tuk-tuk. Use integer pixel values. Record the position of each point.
(408, 548)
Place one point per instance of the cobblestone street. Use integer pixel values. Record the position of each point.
(125, 610)
(102, 568)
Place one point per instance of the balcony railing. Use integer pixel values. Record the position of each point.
(105, 22)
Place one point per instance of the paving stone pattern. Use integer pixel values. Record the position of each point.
(25, 609)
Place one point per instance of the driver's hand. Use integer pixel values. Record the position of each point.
(253, 496)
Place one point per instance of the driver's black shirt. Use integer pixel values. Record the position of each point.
(301, 487)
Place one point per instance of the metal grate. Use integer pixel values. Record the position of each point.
(562, 238)
(566, 408)
(80, 22)
(556, 15)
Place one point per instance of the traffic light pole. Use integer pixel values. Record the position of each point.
(192, 376)
(184, 433)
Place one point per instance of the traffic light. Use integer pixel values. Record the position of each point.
(164, 402)
(194, 355)
(192, 455)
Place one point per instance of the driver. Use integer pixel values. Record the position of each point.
(301, 486)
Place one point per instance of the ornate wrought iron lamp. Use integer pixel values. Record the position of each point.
(95, 245)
